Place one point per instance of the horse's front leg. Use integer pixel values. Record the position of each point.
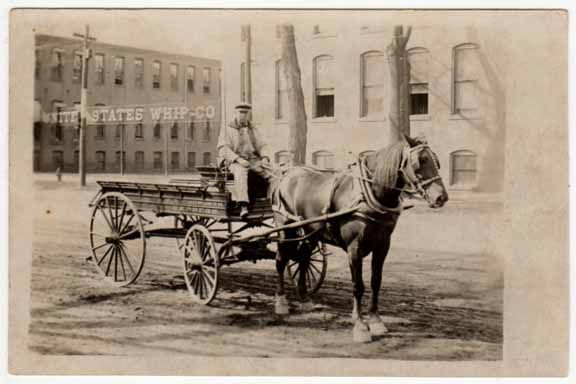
(282, 255)
(361, 332)
(379, 254)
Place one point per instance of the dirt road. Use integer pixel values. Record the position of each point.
(441, 295)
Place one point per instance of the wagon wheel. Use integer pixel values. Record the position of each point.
(117, 239)
(201, 264)
(181, 219)
(316, 271)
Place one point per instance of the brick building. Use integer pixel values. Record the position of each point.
(120, 77)
(457, 100)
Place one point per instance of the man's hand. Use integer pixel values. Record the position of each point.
(243, 162)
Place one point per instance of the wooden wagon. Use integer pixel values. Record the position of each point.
(206, 223)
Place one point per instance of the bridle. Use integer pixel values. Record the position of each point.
(414, 183)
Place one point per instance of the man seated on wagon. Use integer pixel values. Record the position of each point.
(240, 149)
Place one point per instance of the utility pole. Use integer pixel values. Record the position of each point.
(399, 117)
(166, 129)
(83, 103)
(247, 38)
(296, 110)
(122, 156)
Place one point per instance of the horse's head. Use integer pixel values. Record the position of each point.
(419, 169)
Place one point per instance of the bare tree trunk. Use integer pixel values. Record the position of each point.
(296, 111)
(399, 117)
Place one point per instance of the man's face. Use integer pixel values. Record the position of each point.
(242, 116)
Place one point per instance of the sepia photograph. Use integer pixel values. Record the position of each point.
(288, 187)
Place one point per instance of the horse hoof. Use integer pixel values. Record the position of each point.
(307, 306)
(281, 306)
(361, 333)
(377, 328)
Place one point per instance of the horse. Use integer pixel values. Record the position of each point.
(374, 192)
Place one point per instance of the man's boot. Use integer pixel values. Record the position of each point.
(244, 210)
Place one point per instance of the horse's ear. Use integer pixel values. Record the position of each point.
(411, 142)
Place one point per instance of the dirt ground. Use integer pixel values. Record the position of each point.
(441, 294)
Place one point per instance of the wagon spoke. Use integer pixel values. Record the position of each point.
(110, 211)
(121, 263)
(98, 234)
(105, 254)
(110, 261)
(315, 267)
(122, 215)
(106, 218)
(211, 278)
(99, 246)
(127, 224)
(123, 251)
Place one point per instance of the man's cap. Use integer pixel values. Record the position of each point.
(243, 106)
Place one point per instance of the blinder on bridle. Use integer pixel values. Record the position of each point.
(411, 164)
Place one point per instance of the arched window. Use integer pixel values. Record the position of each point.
(418, 59)
(191, 160)
(139, 131)
(100, 160)
(324, 84)
(372, 80)
(463, 168)
(323, 159)
(174, 131)
(121, 156)
(283, 157)
(157, 130)
(281, 95)
(191, 130)
(100, 126)
(465, 78)
(57, 131)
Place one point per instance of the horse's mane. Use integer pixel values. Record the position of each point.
(387, 161)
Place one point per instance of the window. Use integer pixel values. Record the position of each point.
(465, 76)
(206, 158)
(190, 74)
(76, 160)
(283, 157)
(323, 86)
(139, 73)
(191, 160)
(57, 64)
(123, 165)
(118, 70)
(175, 160)
(139, 160)
(77, 67)
(139, 131)
(323, 159)
(372, 73)
(206, 137)
(37, 131)
(174, 76)
(57, 159)
(100, 126)
(157, 130)
(191, 130)
(206, 80)
(243, 81)
(37, 65)
(156, 74)
(100, 160)
(463, 168)
(281, 95)
(119, 131)
(158, 163)
(174, 131)
(418, 59)
(56, 128)
(99, 68)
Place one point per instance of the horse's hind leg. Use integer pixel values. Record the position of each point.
(282, 257)
(375, 323)
(304, 254)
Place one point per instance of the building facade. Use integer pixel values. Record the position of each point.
(123, 79)
(457, 101)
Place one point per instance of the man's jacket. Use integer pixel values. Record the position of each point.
(229, 143)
